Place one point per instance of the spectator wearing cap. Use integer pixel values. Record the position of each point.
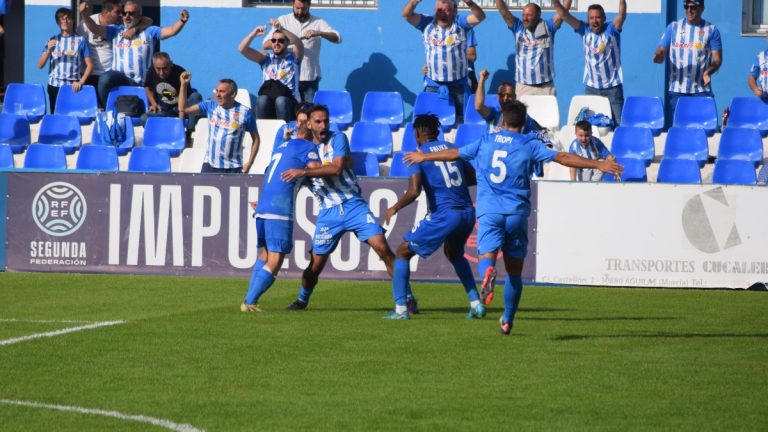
(695, 52)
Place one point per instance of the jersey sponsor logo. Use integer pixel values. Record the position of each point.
(683, 45)
(224, 123)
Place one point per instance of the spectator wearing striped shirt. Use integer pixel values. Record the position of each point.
(603, 75)
(695, 52)
(228, 121)
(758, 76)
(588, 147)
(68, 57)
(445, 44)
(534, 48)
(131, 57)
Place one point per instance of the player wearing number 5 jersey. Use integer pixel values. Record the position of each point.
(505, 162)
(450, 221)
(274, 216)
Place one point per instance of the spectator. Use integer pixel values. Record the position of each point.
(695, 53)
(588, 147)
(163, 86)
(312, 30)
(3, 11)
(758, 76)
(228, 123)
(280, 90)
(505, 93)
(131, 57)
(471, 58)
(445, 43)
(603, 75)
(534, 48)
(68, 57)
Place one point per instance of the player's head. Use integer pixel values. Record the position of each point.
(111, 11)
(225, 92)
(531, 16)
(445, 10)
(513, 114)
(319, 122)
(131, 13)
(302, 118)
(279, 42)
(426, 128)
(583, 131)
(506, 92)
(65, 19)
(301, 9)
(162, 64)
(596, 17)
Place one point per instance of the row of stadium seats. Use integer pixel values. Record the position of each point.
(90, 157)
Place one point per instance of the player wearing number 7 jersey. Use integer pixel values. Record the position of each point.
(450, 221)
(504, 163)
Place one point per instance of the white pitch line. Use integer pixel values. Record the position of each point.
(118, 415)
(42, 321)
(59, 332)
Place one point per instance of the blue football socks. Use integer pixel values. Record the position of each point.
(304, 294)
(260, 283)
(402, 273)
(513, 290)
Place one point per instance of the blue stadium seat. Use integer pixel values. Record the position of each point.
(61, 130)
(82, 104)
(25, 99)
(43, 156)
(409, 139)
(643, 111)
(129, 91)
(685, 171)
(339, 105)
(165, 132)
(122, 148)
(741, 144)
(467, 133)
(6, 156)
(471, 116)
(383, 107)
(684, 143)
(149, 159)
(432, 103)
(14, 131)
(398, 167)
(749, 112)
(634, 171)
(633, 142)
(371, 137)
(696, 112)
(734, 172)
(365, 164)
(97, 157)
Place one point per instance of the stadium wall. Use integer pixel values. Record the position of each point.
(3, 213)
(380, 51)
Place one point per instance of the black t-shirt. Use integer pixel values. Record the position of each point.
(166, 90)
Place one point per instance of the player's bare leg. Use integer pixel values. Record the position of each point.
(309, 280)
(455, 255)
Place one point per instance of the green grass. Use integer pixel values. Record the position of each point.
(578, 359)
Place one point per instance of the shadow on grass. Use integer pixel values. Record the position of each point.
(663, 335)
(602, 319)
(456, 310)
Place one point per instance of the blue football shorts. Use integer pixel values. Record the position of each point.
(332, 223)
(274, 234)
(449, 226)
(506, 232)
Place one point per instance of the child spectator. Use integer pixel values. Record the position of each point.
(588, 147)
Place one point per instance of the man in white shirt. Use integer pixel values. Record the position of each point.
(312, 30)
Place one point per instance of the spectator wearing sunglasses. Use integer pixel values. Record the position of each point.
(695, 52)
(279, 92)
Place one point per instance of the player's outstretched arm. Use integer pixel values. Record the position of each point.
(418, 157)
(414, 189)
(333, 169)
(609, 165)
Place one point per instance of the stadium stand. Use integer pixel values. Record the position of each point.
(25, 99)
(398, 167)
(734, 172)
(97, 157)
(244, 97)
(127, 91)
(43, 156)
(149, 159)
(748, 112)
(61, 130)
(15, 131)
(191, 161)
(82, 104)
(339, 103)
(432, 103)
(122, 147)
(634, 171)
(165, 132)
(643, 111)
(741, 144)
(6, 156)
(697, 113)
(372, 137)
(267, 129)
(684, 171)
(595, 104)
(543, 109)
(467, 133)
(471, 116)
(685, 143)
(633, 142)
(383, 107)
(365, 164)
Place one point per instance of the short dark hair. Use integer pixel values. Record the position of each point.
(303, 108)
(584, 125)
(61, 12)
(514, 113)
(110, 5)
(596, 7)
(231, 82)
(161, 55)
(428, 123)
(317, 108)
(306, 1)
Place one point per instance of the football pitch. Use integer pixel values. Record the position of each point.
(137, 353)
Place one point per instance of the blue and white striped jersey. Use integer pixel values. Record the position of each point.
(226, 128)
(594, 150)
(759, 71)
(67, 60)
(283, 69)
(534, 52)
(446, 49)
(334, 190)
(602, 56)
(277, 196)
(690, 54)
(133, 57)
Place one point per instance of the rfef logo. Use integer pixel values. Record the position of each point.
(59, 209)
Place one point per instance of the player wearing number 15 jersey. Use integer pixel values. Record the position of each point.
(450, 220)
(505, 162)
(274, 215)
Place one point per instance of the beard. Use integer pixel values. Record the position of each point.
(301, 17)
